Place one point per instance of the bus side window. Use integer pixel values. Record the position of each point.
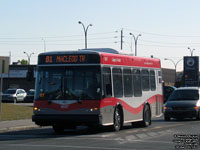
(128, 86)
(152, 80)
(117, 82)
(145, 80)
(137, 88)
(107, 86)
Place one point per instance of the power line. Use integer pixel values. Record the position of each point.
(66, 36)
(164, 46)
(59, 40)
(164, 35)
(55, 43)
(169, 43)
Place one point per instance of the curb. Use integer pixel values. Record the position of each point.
(19, 128)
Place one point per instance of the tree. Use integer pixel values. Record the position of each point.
(23, 62)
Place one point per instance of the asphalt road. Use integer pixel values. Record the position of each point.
(160, 135)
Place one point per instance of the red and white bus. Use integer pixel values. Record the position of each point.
(96, 87)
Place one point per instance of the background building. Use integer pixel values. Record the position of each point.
(168, 76)
(17, 77)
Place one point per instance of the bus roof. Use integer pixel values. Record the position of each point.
(109, 57)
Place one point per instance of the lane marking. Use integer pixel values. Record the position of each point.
(143, 135)
(152, 134)
(67, 146)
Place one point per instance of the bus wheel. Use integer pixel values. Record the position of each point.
(58, 128)
(146, 116)
(117, 120)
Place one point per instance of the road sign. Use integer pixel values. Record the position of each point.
(191, 71)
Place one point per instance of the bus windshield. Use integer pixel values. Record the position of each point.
(68, 83)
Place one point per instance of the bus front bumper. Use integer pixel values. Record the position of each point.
(48, 120)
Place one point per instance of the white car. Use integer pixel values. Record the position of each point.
(14, 95)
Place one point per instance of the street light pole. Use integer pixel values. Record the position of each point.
(191, 51)
(135, 41)
(85, 32)
(175, 66)
(29, 57)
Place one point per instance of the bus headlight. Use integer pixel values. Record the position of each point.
(36, 109)
(94, 109)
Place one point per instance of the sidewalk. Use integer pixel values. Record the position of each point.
(16, 125)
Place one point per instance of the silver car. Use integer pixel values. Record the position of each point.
(13, 95)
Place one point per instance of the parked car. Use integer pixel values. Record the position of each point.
(183, 103)
(167, 90)
(13, 95)
(30, 96)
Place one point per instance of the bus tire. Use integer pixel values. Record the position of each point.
(117, 120)
(58, 128)
(146, 116)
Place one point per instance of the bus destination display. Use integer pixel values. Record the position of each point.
(68, 59)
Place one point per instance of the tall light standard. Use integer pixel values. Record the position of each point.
(85, 32)
(191, 51)
(135, 41)
(29, 57)
(175, 66)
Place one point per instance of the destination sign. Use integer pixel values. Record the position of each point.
(69, 59)
(66, 59)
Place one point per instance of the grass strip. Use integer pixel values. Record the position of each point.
(15, 112)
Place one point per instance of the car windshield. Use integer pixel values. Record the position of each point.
(189, 94)
(10, 92)
(68, 83)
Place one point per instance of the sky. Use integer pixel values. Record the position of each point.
(167, 27)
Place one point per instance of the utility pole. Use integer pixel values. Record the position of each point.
(1, 90)
(122, 39)
(10, 58)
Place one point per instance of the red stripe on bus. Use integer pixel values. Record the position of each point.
(135, 110)
(116, 59)
(88, 104)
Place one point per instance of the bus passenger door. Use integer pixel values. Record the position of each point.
(107, 109)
